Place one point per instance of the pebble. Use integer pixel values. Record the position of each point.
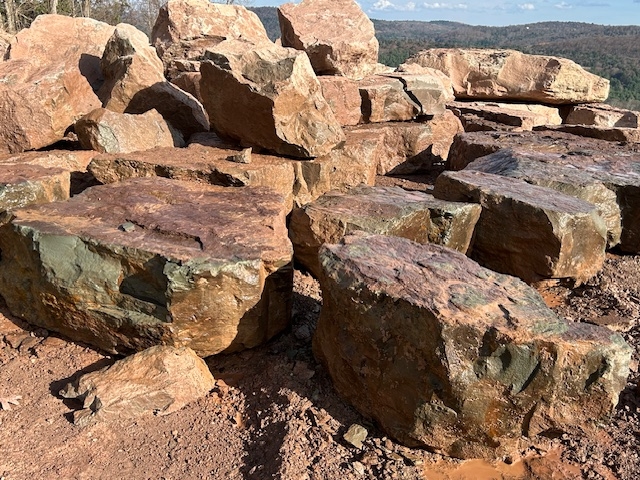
(358, 468)
(356, 435)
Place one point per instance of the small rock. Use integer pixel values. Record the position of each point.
(6, 402)
(242, 157)
(15, 340)
(358, 468)
(127, 227)
(356, 435)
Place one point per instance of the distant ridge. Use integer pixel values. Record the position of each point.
(609, 51)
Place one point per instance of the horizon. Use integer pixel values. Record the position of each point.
(498, 13)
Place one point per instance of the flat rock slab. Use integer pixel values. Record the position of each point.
(519, 116)
(529, 231)
(159, 380)
(383, 210)
(614, 134)
(602, 115)
(447, 355)
(152, 261)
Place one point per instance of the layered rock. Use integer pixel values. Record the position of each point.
(447, 355)
(519, 116)
(600, 115)
(485, 74)
(381, 210)
(106, 131)
(157, 381)
(336, 34)
(613, 134)
(268, 97)
(343, 96)
(529, 231)
(185, 29)
(152, 261)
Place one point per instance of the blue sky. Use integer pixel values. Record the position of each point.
(500, 12)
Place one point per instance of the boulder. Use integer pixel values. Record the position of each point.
(382, 210)
(106, 131)
(529, 231)
(614, 134)
(602, 115)
(343, 96)
(135, 83)
(268, 97)
(185, 29)
(447, 355)
(152, 261)
(486, 74)
(159, 380)
(517, 115)
(430, 89)
(336, 34)
(201, 164)
(384, 99)
(190, 83)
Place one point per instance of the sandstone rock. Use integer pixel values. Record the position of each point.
(384, 99)
(185, 29)
(529, 231)
(601, 133)
(429, 89)
(601, 115)
(511, 75)
(135, 83)
(199, 164)
(410, 147)
(447, 355)
(386, 211)
(519, 116)
(268, 97)
(336, 34)
(343, 96)
(159, 380)
(106, 131)
(190, 83)
(200, 266)
(38, 105)
(5, 42)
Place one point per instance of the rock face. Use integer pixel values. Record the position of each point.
(106, 131)
(160, 380)
(268, 97)
(613, 134)
(517, 115)
(528, 231)
(343, 96)
(604, 116)
(382, 210)
(185, 29)
(152, 261)
(336, 34)
(445, 354)
(512, 75)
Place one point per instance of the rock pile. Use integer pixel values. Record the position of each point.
(223, 157)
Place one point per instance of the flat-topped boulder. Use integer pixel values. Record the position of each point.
(383, 210)
(152, 261)
(613, 134)
(447, 355)
(268, 97)
(518, 116)
(486, 74)
(336, 34)
(529, 231)
(602, 115)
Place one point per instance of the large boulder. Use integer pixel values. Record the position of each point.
(517, 116)
(602, 115)
(485, 74)
(106, 131)
(529, 231)
(383, 210)
(610, 134)
(185, 29)
(152, 261)
(336, 34)
(268, 97)
(135, 83)
(343, 96)
(447, 355)
(157, 381)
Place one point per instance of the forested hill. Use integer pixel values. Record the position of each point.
(609, 51)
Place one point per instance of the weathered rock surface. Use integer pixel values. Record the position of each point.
(268, 97)
(429, 89)
(5, 42)
(152, 261)
(190, 83)
(614, 134)
(517, 115)
(336, 34)
(343, 96)
(135, 83)
(159, 380)
(106, 131)
(410, 147)
(185, 29)
(381, 210)
(602, 115)
(445, 354)
(529, 231)
(486, 74)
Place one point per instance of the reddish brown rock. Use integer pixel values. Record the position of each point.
(518, 116)
(185, 29)
(336, 34)
(268, 97)
(447, 355)
(343, 96)
(190, 83)
(106, 131)
(384, 99)
(5, 41)
(615, 134)
(152, 261)
(528, 231)
(157, 381)
(601, 115)
(381, 210)
(485, 74)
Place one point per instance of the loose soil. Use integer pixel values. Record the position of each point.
(274, 413)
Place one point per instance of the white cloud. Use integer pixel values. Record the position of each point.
(446, 6)
(387, 5)
(382, 5)
(563, 6)
(527, 6)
